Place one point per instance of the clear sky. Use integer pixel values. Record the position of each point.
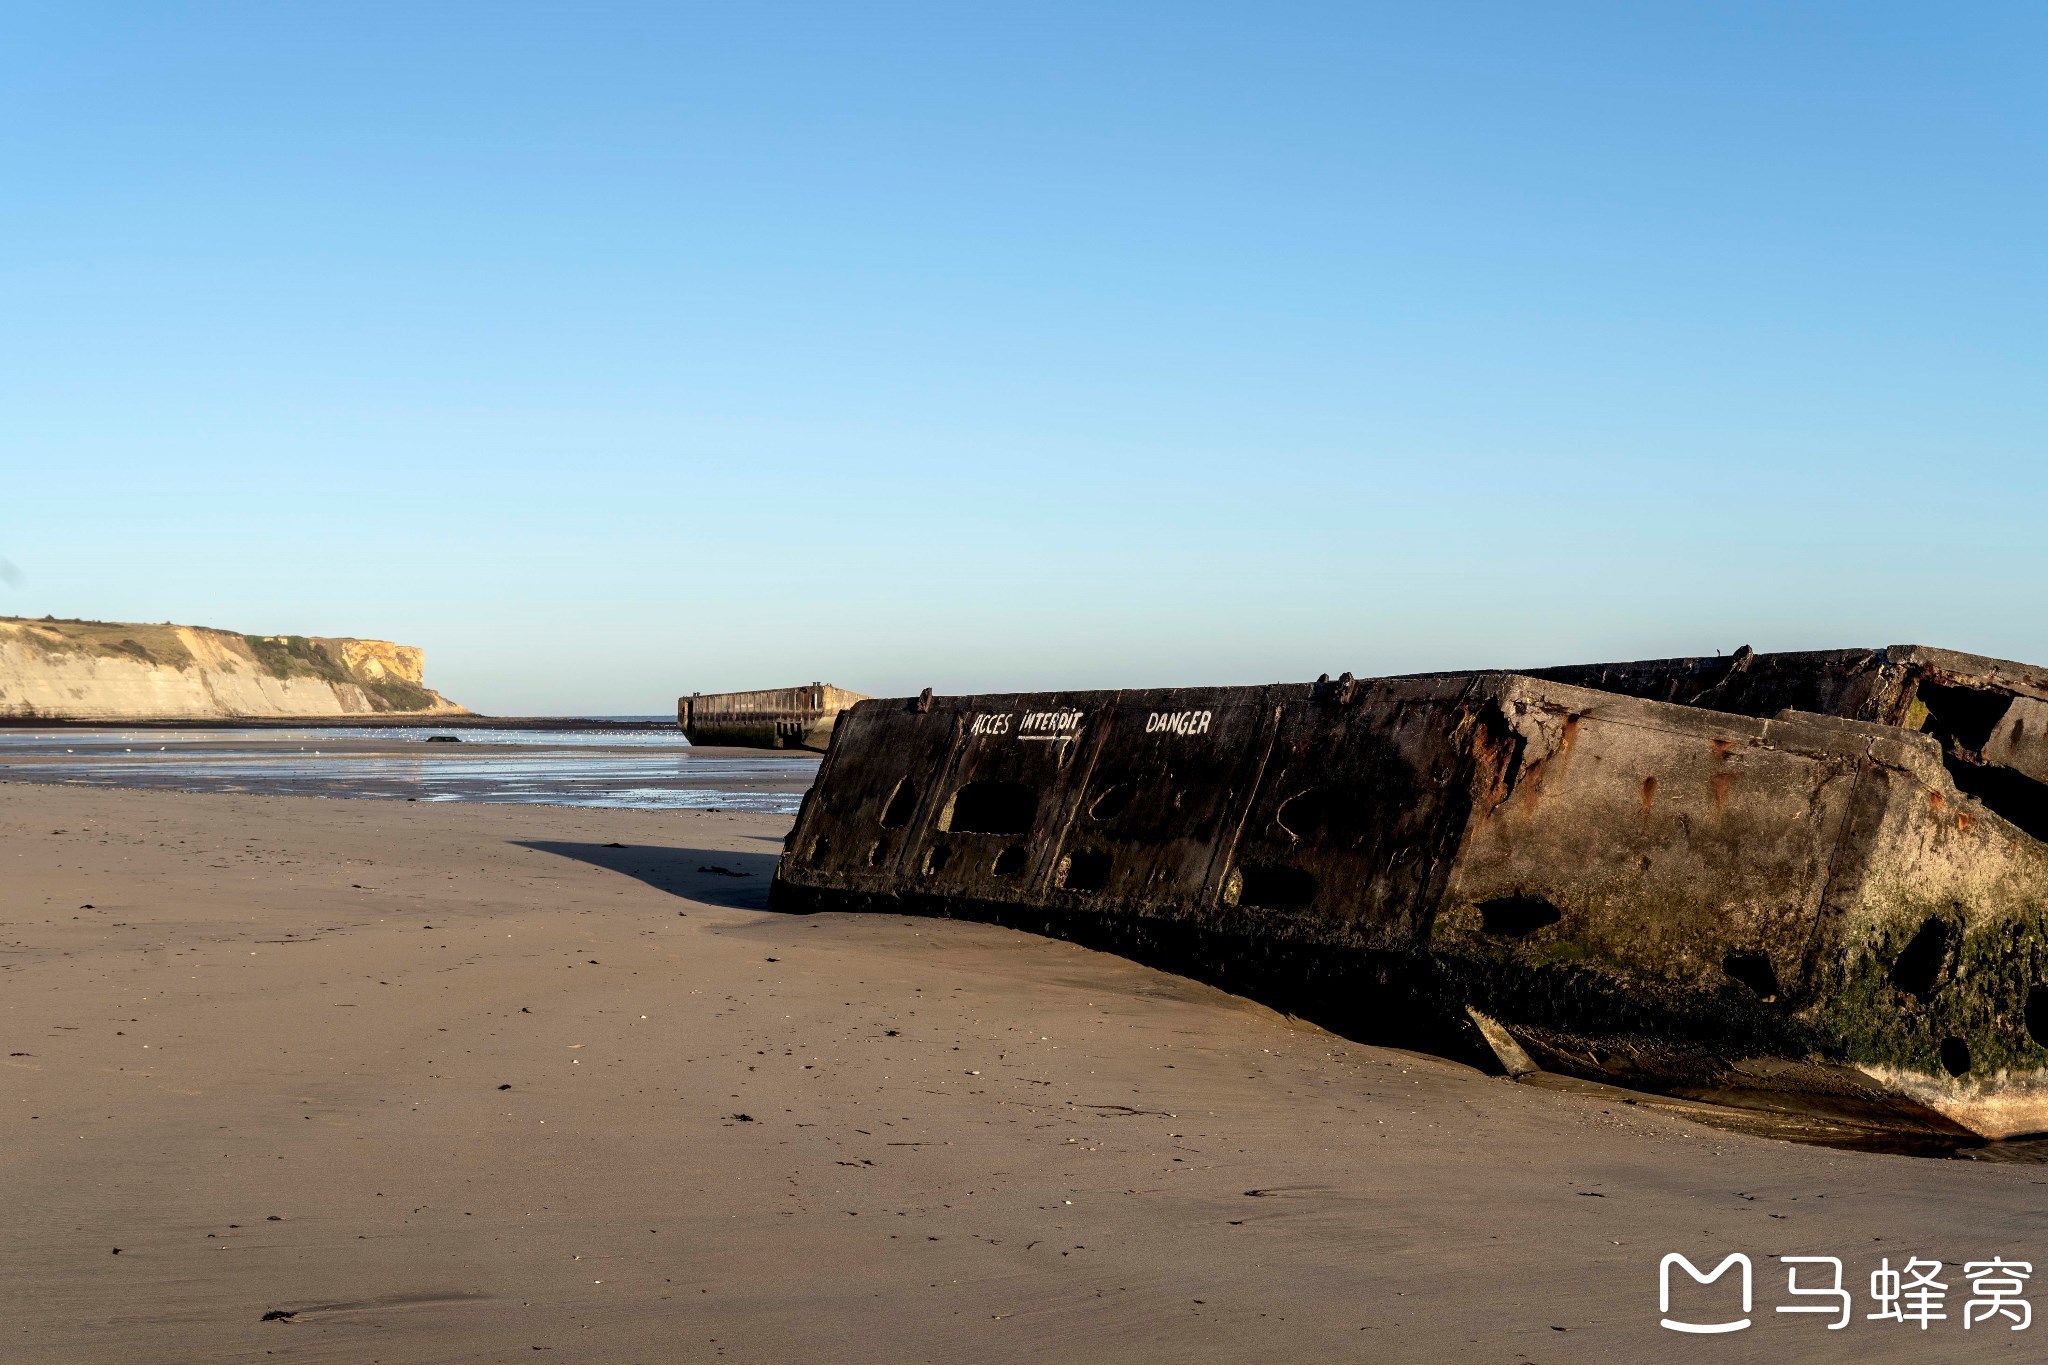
(613, 351)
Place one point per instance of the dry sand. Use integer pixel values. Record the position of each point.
(263, 1045)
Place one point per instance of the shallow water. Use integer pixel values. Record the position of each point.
(647, 768)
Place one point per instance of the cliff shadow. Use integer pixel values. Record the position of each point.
(738, 881)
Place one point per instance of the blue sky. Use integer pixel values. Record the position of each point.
(611, 351)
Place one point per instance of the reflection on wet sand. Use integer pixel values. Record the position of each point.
(649, 768)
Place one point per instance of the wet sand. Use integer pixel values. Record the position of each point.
(634, 767)
(492, 1083)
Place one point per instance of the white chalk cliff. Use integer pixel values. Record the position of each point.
(101, 670)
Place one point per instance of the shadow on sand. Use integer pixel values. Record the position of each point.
(735, 880)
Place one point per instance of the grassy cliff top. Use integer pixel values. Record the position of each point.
(155, 644)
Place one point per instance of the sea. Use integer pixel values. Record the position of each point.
(640, 762)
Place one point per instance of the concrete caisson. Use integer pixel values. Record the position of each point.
(1786, 910)
(769, 718)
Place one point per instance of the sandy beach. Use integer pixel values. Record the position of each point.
(361, 1081)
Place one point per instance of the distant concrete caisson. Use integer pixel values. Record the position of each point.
(1811, 881)
(772, 718)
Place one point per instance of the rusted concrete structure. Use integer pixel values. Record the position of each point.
(1796, 910)
(773, 718)
(1989, 715)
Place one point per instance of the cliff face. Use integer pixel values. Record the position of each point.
(102, 670)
